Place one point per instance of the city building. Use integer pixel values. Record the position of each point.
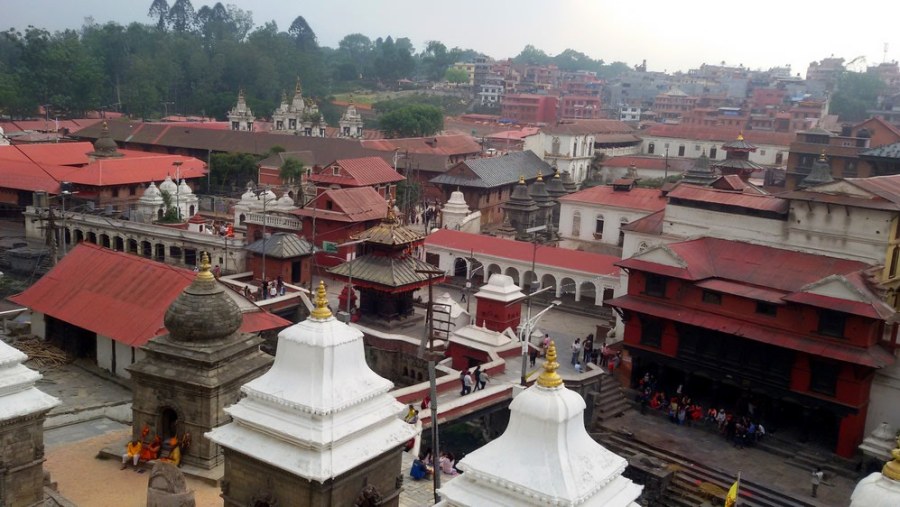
(596, 214)
(371, 172)
(800, 331)
(691, 141)
(528, 108)
(351, 123)
(486, 183)
(565, 146)
(579, 107)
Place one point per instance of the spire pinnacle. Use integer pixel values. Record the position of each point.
(204, 274)
(740, 136)
(540, 176)
(321, 310)
(822, 157)
(521, 179)
(549, 378)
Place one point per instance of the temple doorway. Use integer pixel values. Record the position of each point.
(168, 422)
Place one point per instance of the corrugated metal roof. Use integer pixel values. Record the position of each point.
(739, 200)
(874, 356)
(357, 172)
(449, 145)
(723, 134)
(49, 153)
(281, 245)
(387, 272)
(547, 256)
(886, 151)
(650, 224)
(390, 232)
(644, 199)
(494, 171)
(118, 295)
(676, 164)
(355, 204)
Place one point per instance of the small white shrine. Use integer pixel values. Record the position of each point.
(241, 117)
(880, 489)
(23, 408)
(253, 202)
(320, 414)
(545, 457)
(456, 215)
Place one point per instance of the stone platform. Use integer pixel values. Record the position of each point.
(212, 477)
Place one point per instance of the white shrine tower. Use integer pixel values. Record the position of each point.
(545, 457)
(319, 426)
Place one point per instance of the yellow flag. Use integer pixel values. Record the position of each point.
(731, 497)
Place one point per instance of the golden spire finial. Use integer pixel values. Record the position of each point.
(549, 378)
(540, 176)
(297, 88)
(556, 172)
(822, 157)
(321, 311)
(204, 274)
(740, 136)
(891, 469)
(391, 217)
(521, 179)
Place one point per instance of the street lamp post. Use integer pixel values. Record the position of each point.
(350, 272)
(264, 193)
(469, 286)
(177, 165)
(527, 328)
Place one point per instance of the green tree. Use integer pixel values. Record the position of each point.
(291, 173)
(412, 121)
(181, 16)
(303, 35)
(531, 55)
(171, 214)
(456, 76)
(855, 94)
(233, 170)
(159, 9)
(409, 193)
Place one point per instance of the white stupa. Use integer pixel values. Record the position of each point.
(545, 457)
(320, 411)
(18, 396)
(150, 206)
(880, 489)
(251, 202)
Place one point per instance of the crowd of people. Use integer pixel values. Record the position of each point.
(741, 430)
(146, 449)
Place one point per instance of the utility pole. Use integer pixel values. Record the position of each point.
(432, 377)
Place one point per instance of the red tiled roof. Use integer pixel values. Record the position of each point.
(118, 295)
(650, 224)
(757, 202)
(17, 175)
(132, 169)
(354, 204)
(748, 263)
(644, 199)
(445, 145)
(465, 243)
(649, 162)
(49, 153)
(874, 357)
(363, 171)
(721, 134)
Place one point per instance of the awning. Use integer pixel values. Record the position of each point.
(874, 357)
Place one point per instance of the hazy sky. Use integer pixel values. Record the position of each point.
(669, 35)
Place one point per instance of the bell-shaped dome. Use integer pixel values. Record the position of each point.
(203, 311)
(151, 191)
(168, 186)
(286, 201)
(184, 188)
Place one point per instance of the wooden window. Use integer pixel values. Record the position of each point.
(576, 224)
(655, 285)
(767, 309)
(711, 297)
(823, 376)
(681, 151)
(651, 148)
(712, 153)
(598, 227)
(895, 258)
(651, 331)
(831, 323)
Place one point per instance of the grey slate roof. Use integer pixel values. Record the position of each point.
(383, 270)
(886, 151)
(281, 245)
(497, 171)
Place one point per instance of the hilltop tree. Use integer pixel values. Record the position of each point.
(855, 94)
(291, 173)
(181, 16)
(303, 35)
(456, 76)
(412, 121)
(159, 9)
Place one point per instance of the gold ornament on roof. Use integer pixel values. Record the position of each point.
(740, 136)
(822, 157)
(204, 274)
(540, 176)
(556, 172)
(321, 311)
(521, 179)
(549, 378)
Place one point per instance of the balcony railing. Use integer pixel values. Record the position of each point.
(274, 221)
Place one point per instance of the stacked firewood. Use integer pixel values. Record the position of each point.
(42, 355)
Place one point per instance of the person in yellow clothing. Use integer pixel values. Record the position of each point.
(133, 452)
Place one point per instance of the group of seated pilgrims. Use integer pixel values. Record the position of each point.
(147, 450)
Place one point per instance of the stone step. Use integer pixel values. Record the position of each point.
(757, 494)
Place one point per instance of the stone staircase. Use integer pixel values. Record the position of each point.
(610, 401)
(695, 484)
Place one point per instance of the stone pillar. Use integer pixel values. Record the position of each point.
(167, 487)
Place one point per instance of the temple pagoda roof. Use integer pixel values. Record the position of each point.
(394, 274)
(390, 232)
(739, 144)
